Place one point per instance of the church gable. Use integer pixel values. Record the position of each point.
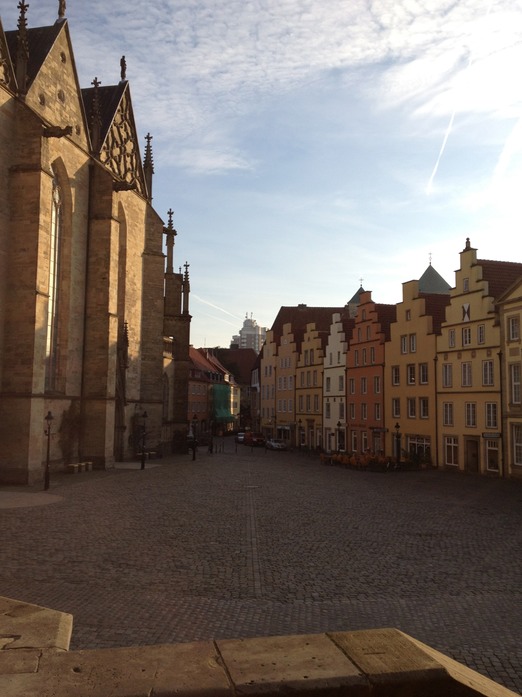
(113, 132)
(55, 92)
(7, 76)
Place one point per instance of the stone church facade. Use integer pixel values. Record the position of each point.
(94, 327)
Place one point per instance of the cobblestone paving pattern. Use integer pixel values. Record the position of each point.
(253, 543)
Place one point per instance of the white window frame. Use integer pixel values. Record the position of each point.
(466, 374)
(447, 414)
(491, 415)
(451, 448)
(488, 376)
(470, 412)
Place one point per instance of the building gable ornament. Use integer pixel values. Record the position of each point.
(120, 152)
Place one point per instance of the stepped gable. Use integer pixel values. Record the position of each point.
(40, 41)
(387, 314)
(300, 316)
(117, 146)
(436, 304)
(500, 275)
(7, 75)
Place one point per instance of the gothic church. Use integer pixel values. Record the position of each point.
(94, 327)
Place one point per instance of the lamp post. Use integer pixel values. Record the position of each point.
(338, 435)
(143, 434)
(299, 436)
(194, 425)
(47, 432)
(397, 442)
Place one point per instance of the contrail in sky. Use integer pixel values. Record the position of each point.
(429, 188)
(216, 307)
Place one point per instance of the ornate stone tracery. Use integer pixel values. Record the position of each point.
(120, 151)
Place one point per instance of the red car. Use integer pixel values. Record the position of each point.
(256, 439)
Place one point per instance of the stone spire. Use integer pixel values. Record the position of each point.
(186, 290)
(22, 50)
(148, 166)
(170, 234)
(96, 117)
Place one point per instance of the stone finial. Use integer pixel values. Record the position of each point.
(61, 9)
(148, 165)
(22, 49)
(96, 116)
(123, 68)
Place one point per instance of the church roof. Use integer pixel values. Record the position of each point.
(432, 282)
(109, 97)
(40, 40)
(356, 297)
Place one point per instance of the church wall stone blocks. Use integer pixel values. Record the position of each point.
(85, 299)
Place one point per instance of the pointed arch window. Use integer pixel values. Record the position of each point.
(52, 346)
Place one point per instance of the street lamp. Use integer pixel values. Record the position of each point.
(193, 426)
(143, 434)
(47, 432)
(397, 442)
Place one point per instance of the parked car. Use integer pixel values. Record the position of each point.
(240, 437)
(256, 439)
(275, 444)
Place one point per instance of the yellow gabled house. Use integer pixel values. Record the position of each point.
(510, 317)
(469, 366)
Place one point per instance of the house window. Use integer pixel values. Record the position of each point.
(466, 336)
(404, 344)
(514, 328)
(413, 343)
(481, 334)
(451, 338)
(356, 357)
(301, 402)
(341, 383)
(412, 407)
(447, 413)
(491, 415)
(316, 402)
(368, 333)
(376, 384)
(372, 355)
(487, 373)
(451, 449)
(514, 375)
(447, 375)
(308, 378)
(465, 285)
(517, 444)
(364, 441)
(364, 356)
(396, 408)
(408, 315)
(328, 384)
(311, 356)
(306, 358)
(351, 382)
(364, 411)
(492, 454)
(377, 411)
(354, 441)
(423, 408)
(364, 385)
(395, 375)
(466, 374)
(471, 414)
(423, 373)
(341, 411)
(411, 374)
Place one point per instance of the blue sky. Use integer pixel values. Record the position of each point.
(307, 144)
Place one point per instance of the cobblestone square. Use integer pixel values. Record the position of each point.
(251, 542)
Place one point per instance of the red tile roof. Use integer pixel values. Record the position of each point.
(499, 274)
